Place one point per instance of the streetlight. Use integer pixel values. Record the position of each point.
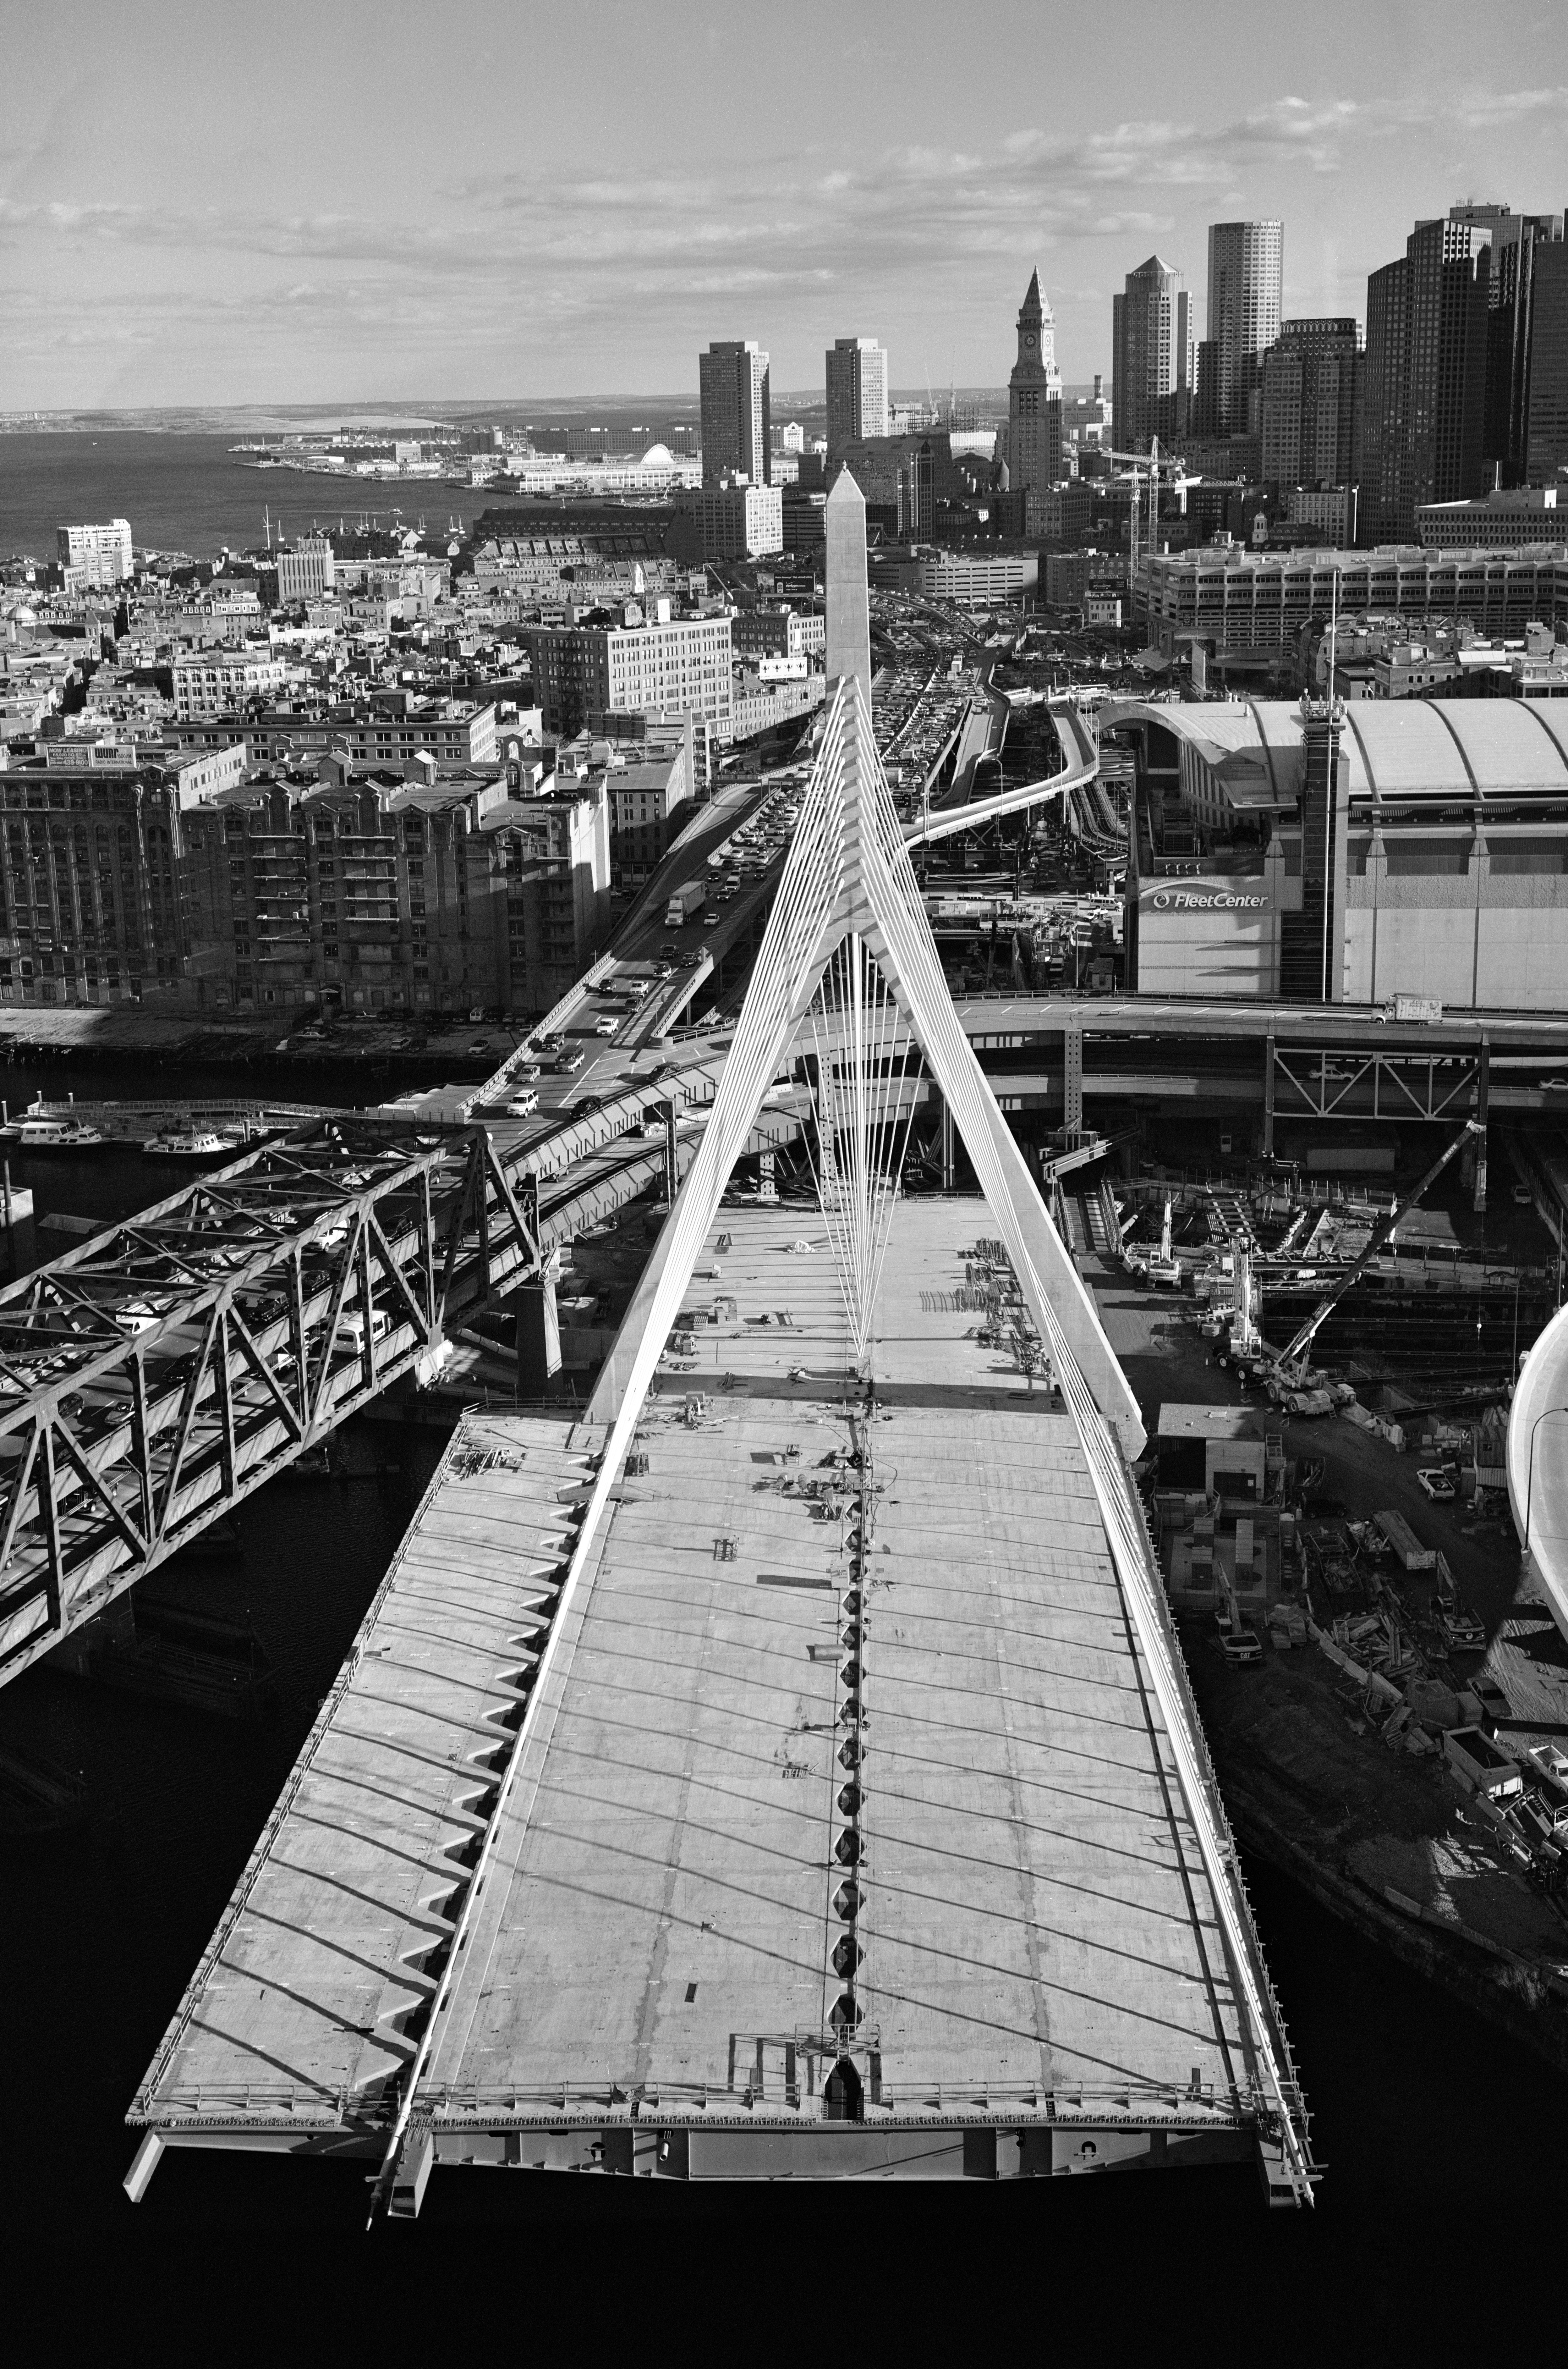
(1530, 1469)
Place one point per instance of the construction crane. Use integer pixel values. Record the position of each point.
(1292, 1359)
(1176, 471)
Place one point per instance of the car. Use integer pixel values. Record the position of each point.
(1437, 1484)
(668, 953)
(567, 1063)
(1494, 1703)
(480, 1045)
(1554, 1085)
(587, 1106)
(1522, 1196)
(528, 1074)
(522, 1106)
(607, 1027)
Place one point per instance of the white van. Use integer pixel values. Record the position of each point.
(353, 1327)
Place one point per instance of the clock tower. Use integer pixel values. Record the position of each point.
(1033, 400)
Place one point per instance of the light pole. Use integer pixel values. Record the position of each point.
(1530, 1469)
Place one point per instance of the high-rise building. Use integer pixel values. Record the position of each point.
(736, 425)
(97, 554)
(584, 672)
(1151, 350)
(1311, 398)
(1382, 403)
(1444, 418)
(857, 391)
(1246, 279)
(1546, 415)
(1033, 399)
(1423, 406)
(1521, 244)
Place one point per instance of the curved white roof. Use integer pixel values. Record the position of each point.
(1397, 748)
(658, 457)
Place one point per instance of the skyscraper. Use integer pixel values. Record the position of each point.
(1382, 403)
(857, 391)
(1521, 246)
(1310, 392)
(733, 380)
(1425, 402)
(1246, 279)
(1033, 399)
(1151, 352)
(1546, 417)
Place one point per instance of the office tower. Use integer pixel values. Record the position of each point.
(1311, 388)
(1546, 417)
(1521, 245)
(857, 391)
(1450, 264)
(1382, 403)
(1425, 399)
(1151, 348)
(99, 555)
(916, 506)
(1246, 271)
(736, 427)
(1033, 399)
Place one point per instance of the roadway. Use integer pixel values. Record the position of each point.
(1538, 1463)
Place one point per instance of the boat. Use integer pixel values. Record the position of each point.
(56, 1135)
(190, 1143)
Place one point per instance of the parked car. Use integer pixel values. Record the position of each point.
(1522, 1196)
(1437, 1484)
(480, 1045)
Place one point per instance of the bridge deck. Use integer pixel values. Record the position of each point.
(657, 1919)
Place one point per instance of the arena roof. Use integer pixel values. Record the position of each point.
(1398, 749)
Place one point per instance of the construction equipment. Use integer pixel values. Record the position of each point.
(1292, 1360)
(1137, 464)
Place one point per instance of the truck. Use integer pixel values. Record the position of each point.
(683, 903)
(1403, 1543)
(1425, 1008)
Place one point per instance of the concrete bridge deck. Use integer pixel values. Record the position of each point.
(647, 1974)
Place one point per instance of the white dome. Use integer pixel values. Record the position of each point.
(658, 457)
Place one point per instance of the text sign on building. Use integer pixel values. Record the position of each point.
(1177, 896)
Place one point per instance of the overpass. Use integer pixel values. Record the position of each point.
(1537, 1464)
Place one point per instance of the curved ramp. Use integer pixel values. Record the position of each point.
(1538, 1497)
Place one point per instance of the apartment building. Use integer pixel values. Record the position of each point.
(584, 672)
(388, 730)
(94, 556)
(218, 681)
(741, 520)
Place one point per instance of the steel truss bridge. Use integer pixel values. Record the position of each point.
(153, 1376)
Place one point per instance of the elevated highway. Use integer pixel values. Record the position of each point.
(1537, 1464)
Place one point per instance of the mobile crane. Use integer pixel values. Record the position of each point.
(1291, 1363)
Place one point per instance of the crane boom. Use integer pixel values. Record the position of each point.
(1303, 1340)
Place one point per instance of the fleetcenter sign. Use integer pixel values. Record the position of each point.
(1200, 897)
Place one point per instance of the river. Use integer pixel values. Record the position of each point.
(1417, 2102)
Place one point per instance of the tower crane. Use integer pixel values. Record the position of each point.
(1138, 462)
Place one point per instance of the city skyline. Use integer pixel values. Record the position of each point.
(894, 196)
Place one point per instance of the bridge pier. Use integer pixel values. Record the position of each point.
(538, 1335)
(1483, 1095)
(1268, 1097)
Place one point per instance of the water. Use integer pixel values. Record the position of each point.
(180, 493)
(1441, 2135)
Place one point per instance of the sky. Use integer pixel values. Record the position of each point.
(357, 200)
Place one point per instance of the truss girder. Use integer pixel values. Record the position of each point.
(169, 1365)
(1324, 1082)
